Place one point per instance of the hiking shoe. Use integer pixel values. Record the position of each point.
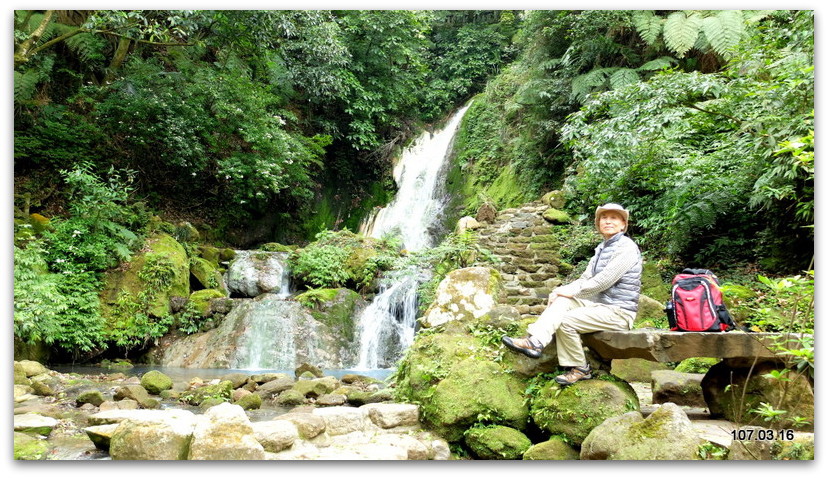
(575, 374)
(525, 345)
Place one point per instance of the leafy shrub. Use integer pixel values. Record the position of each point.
(342, 259)
(784, 304)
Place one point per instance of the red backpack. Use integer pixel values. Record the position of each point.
(696, 303)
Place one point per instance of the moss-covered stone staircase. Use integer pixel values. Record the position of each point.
(528, 251)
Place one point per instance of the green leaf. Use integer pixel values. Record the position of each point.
(648, 26)
(724, 31)
(623, 76)
(681, 31)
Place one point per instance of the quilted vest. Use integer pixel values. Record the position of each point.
(625, 292)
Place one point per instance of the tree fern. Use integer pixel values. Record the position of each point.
(583, 85)
(623, 76)
(648, 26)
(724, 30)
(681, 31)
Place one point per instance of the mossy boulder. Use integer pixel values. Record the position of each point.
(697, 364)
(221, 391)
(154, 275)
(250, 401)
(678, 387)
(276, 247)
(555, 448)
(575, 410)
(667, 434)
(650, 313)
(464, 294)
(207, 275)
(209, 253)
(290, 398)
(137, 393)
(27, 447)
(476, 389)
(156, 382)
(335, 308)
(200, 300)
(556, 216)
(555, 199)
(186, 232)
(497, 442)
(94, 397)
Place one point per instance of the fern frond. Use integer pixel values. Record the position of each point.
(583, 85)
(623, 76)
(658, 64)
(88, 47)
(724, 31)
(25, 84)
(648, 25)
(681, 31)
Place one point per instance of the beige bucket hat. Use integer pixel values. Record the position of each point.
(612, 207)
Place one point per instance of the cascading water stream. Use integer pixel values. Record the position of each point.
(268, 341)
(386, 327)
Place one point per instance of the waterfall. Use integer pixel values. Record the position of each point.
(386, 327)
(268, 340)
(270, 327)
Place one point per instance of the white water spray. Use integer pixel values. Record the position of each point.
(386, 327)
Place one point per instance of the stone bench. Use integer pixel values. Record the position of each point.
(659, 345)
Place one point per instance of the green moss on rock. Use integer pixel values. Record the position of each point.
(250, 401)
(497, 442)
(335, 308)
(163, 262)
(221, 391)
(27, 447)
(575, 410)
(156, 382)
(207, 274)
(555, 448)
(556, 216)
(476, 391)
(200, 300)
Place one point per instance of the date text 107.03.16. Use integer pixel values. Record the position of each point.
(748, 434)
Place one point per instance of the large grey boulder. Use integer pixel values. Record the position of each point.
(390, 415)
(252, 273)
(224, 433)
(148, 440)
(464, 294)
(342, 420)
(275, 435)
(667, 434)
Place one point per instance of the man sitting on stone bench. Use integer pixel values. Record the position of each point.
(605, 297)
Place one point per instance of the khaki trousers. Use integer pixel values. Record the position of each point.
(567, 318)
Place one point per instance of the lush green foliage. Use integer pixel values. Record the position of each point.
(58, 276)
(693, 155)
(342, 259)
